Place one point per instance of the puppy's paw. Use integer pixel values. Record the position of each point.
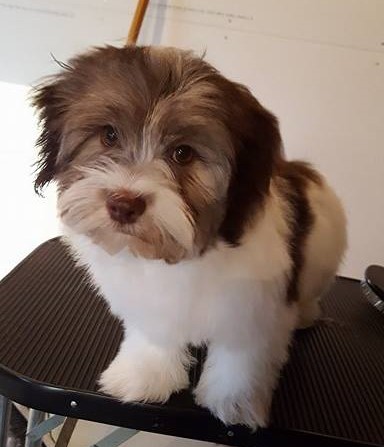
(131, 380)
(245, 408)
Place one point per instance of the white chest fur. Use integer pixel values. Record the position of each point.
(193, 300)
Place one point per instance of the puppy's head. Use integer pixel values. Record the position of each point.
(153, 149)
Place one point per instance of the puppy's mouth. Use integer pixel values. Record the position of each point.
(148, 245)
(131, 231)
(150, 226)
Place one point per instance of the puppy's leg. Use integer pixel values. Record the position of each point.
(145, 371)
(314, 285)
(239, 376)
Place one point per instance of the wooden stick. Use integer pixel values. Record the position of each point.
(136, 22)
(66, 432)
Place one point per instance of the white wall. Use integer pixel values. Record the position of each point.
(317, 64)
(26, 219)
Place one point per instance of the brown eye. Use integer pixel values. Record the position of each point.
(183, 154)
(109, 136)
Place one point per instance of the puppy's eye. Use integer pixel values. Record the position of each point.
(109, 136)
(183, 155)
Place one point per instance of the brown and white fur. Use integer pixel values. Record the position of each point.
(175, 195)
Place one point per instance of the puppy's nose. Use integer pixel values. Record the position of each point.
(125, 208)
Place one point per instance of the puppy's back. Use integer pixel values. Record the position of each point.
(318, 233)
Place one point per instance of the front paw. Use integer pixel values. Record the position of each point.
(233, 407)
(132, 380)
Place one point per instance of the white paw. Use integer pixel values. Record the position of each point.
(143, 379)
(245, 408)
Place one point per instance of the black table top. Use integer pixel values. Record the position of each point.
(57, 335)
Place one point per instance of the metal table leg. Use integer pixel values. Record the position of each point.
(35, 418)
(5, 416)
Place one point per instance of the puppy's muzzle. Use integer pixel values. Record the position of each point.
(124, 207)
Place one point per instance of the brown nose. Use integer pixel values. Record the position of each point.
(125, 208)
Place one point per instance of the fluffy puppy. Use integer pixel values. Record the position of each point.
(175, 195)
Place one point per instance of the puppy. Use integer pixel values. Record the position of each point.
(175, 195)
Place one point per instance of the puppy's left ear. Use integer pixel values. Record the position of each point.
(51, 105)
(258, 149)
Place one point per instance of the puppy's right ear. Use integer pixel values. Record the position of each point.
(51, 107)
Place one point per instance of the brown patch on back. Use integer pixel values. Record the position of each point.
(293, 179)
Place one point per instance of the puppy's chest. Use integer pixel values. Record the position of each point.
(132, 282)
(138, 289)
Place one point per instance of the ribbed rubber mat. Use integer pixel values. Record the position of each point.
(334, 382)
(56, 329)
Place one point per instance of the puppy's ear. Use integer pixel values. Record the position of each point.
(257, 143)
(51, 106)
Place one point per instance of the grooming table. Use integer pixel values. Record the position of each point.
(56, 336)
